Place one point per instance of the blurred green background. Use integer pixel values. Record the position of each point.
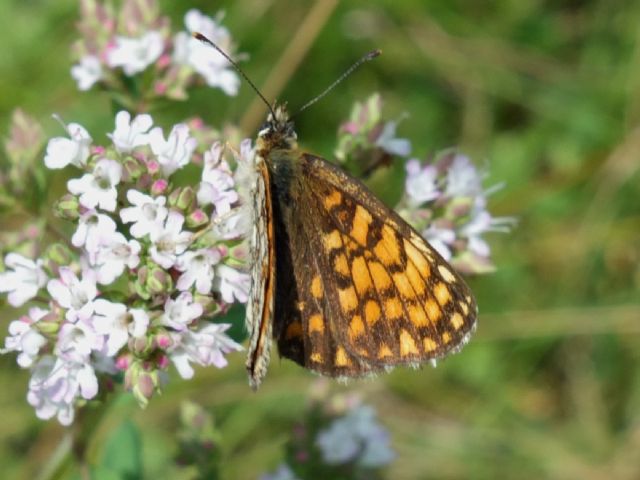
(546, 94)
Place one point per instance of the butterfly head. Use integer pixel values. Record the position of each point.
(278, 132)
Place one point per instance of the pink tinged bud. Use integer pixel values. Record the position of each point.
(164, 61)
(196, 123)
(123, 362)
(98, 150)
(163, 340)
(139, 345)
(197, 218)
(144, 182)
(144, 388)
(159, 187)
(153, 167)
(160, 88)
(223, 250)
(302, 456)
(163, 362)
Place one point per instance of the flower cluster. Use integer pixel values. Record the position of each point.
(367, 141)
(116, 49)
(339, 438)
(152, 260)
(443, 198)
(445, 201)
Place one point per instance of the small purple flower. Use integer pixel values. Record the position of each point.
(74, 150)
(135, 54)
(130, 134)
(174, 152)
(73, 294)
(98, 189)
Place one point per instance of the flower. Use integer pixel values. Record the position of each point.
(170, 241)
(118, 323)
(198, 267)
(74, 294)
(64, 151)
(174, 152)
(463, 179)
(388, 142)
(76, 341)
(356, 436)
(130, 134)
(181, 312)
(87, 72)
(147, 213)
(135, 54)
(98, 188)
(420, 185)
(204, 346)
(216, 70)
(23, 280)
(24, 338)
(94, 229)
(112, 256)
(232, 284)
(217, 183)
(56, 384)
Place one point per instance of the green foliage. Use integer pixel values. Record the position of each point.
(548, 95)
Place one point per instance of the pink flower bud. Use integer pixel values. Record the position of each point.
(159, 187)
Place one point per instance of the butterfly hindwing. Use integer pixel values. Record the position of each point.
(260, 306)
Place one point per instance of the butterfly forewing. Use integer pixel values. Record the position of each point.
(370, 292)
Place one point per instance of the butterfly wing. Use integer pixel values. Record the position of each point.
(259, 310)
(380, 294)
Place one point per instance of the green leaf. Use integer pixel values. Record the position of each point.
(122, 453)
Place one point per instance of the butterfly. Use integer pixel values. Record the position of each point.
(343, 284)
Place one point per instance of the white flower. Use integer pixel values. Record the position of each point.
(440, 239)
(481, 222)
(216, 70)
(113, 256)
(198, 267)
(283, 472)
(421, 183)
(63, 151)
(181, 312)
(232, 284)
(118, 323)
(94, 229)
(55, 385)
(147, 214)
(170, 241)
(356, 436)
(135, 54)
(463, 179)
(205, 347)
(98, 188)
(73, 294)
(24, 338)
(76, 341)
(217, 183)
(388, 142)
(174, 152)
(23, 280)
(130, 134)
(87, 72)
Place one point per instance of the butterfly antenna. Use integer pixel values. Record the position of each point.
(205, 40)
(366, 58)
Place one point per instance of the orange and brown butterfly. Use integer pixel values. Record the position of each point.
(342, 283)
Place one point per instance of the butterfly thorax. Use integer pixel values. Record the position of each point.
(277, 133)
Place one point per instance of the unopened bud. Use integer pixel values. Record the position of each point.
(67, 207)
(182, 198)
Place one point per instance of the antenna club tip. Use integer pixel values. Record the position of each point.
(375, 53)
(199, 36)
